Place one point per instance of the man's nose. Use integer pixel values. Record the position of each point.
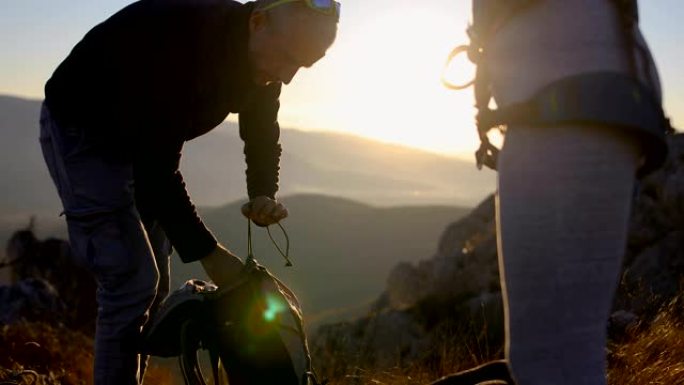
(287, 73)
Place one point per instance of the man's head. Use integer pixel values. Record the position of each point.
(286, 35)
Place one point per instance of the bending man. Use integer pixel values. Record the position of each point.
(117, 112)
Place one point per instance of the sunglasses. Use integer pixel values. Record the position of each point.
(327, 7)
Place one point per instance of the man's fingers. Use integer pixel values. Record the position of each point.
(247, 209)
(279, 212)
(264, 211)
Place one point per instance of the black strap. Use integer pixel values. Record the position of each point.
(285, 255)
(189, 364)
(601, 98)
(494, 372)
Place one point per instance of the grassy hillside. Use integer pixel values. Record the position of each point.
(46, 355)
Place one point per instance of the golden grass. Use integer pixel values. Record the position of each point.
(460, 347)
(651, 355)
(44, 354)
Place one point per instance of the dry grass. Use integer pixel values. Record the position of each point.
(44, 354)
(648, 355)
(459, 348)
(652, 355)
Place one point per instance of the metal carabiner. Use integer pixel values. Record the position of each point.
(454, 53)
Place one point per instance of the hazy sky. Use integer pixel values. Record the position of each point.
(380, 79)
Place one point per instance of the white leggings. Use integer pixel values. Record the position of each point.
(564, 197)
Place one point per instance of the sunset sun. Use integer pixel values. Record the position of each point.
(383, 82)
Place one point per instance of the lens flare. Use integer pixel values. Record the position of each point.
(274, 305)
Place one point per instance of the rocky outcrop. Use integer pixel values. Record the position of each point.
(44, 274)
(458, 287)
(654, 262)
(30, 299)
(465, 264)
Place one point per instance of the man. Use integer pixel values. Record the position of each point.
(116, 114)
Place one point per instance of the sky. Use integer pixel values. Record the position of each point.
(381, 79)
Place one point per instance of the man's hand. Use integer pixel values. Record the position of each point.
(264, 211)
(222, 266)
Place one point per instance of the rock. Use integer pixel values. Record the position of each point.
(460, 284)
(30, 299)
(620, 322)
(51, 260)
(407, 285)
(654, 276)
(383, 340)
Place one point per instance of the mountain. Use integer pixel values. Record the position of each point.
(312, 162)
(342, 250)
(343, 247)
(26, 184)
(451, 303)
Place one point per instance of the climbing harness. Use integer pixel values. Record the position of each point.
(252, 329)
(598, 98)
(601, 98)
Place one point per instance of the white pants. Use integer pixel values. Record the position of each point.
(564, 196)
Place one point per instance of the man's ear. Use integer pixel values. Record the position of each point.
(257, 21)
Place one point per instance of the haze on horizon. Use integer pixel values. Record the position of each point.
(380, 79)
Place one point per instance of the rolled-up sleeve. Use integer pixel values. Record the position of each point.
(260, 131)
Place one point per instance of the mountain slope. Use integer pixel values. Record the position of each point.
(213, 165)
(342, 250)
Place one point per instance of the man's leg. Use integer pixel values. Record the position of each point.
(107, 236)
(162, 253)
(116, 248)
(161, 246)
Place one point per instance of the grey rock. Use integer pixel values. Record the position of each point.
(30, 299)
(460, 284)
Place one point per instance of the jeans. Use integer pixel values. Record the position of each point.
(130, 261)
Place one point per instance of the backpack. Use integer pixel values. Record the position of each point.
(253, 329)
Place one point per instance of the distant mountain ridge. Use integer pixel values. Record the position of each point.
(343, 242)
(342, 250)
(213, 166)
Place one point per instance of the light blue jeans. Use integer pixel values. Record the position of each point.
(129, 261)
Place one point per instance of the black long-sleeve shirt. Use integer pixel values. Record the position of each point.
(159, 73)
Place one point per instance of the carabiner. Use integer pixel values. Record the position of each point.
(455, 52)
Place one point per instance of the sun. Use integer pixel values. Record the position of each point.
(382, 80)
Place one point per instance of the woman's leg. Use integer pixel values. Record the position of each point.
(563, 210)
(564, 196)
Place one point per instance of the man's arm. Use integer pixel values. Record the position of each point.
(260, 131)
(161, 195)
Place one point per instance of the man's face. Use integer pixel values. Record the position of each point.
(279, 46)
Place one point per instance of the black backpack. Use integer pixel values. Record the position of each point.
(252, 328)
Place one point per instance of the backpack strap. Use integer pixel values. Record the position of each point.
(189, 364)
(215, 363)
